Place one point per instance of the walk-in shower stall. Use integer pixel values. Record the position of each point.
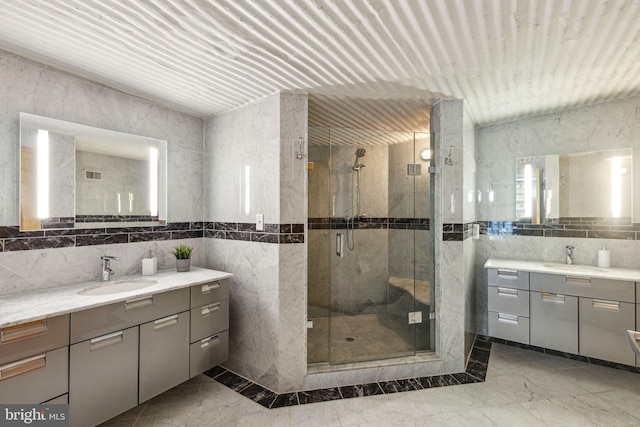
(370, 292)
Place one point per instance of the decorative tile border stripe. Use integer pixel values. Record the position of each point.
(476, 372)
(365, 223)
(457, 232)
(570, 356)
(246, 231)
(115, 218)
(586, 228)
(12, 239)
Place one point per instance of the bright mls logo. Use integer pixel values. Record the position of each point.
(34, 415)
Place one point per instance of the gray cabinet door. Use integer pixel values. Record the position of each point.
(164, 354)
(103, 377)
(603, 326)
(554, 321)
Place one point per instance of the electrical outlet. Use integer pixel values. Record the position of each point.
(309, 324)
(259, 222)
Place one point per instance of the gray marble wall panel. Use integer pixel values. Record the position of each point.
(243, 148)
(359, 278)
(252, 168)
(37, 89)
(447, 126)
(38, 269)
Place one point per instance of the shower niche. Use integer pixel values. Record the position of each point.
(369, 245)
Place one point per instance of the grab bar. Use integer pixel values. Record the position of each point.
(339, 245)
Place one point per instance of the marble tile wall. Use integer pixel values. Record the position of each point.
(253, 153)
(447, 128)
(603, 126)
(31, 87)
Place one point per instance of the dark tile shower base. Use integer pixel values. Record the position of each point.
(476, 372)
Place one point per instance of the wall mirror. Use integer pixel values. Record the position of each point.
(77, 176)
(587, 187)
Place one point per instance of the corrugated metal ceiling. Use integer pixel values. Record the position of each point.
(506, 58)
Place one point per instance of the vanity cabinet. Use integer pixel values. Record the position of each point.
(34, 361)
(164, 355)
(603, 326)
(554, 321)
(508, 304)
(124, 353)
(209, 326)
(103, 380)
(569, 312)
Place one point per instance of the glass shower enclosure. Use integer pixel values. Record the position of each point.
(369, 245)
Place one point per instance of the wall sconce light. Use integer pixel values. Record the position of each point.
(425, 154)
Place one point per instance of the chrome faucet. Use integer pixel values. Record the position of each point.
(569, 253)
(106, 267)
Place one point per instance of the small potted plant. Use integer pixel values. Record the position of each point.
(183, 257)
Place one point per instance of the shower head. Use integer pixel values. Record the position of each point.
(359, 153)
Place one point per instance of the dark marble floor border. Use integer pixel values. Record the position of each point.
(476, 372)
(570, 356)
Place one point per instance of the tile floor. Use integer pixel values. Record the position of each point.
(522, 388)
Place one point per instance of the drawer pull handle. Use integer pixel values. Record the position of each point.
(508, 292)
(508, 318)
(507, 274)
(106, 341)
(22, 366)
(23, 331)
(606, 305)
(138, 303)
(166, 322)
(578, 280)
(208, 309)
(210, 342)
(207, 287)
(557, 298)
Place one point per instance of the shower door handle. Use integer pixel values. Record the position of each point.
(339, 245)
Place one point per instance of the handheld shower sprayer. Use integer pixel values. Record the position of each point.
(360, 152)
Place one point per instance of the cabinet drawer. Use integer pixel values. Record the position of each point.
(509, 300)
(508, 278)
(209, 319)
(114, 317)
(35, 379)
(209, 352)
(509, 327)
(164, 355)
(103, 380)
(554, 321)
(20, 341)
(603, 326)
(584, 286)
(209, 292)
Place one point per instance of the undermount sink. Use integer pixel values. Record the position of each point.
(117, 287)
(572, 268)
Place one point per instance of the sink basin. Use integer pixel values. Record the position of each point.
(117, 287)
(584, 269)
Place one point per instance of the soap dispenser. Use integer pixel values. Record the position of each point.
(604, 257)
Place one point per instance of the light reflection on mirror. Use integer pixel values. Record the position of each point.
(77, 176)
(585, 187)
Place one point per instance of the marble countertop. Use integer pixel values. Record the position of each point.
(565, 269)
(28, 306)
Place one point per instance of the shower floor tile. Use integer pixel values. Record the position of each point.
(347, 339)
